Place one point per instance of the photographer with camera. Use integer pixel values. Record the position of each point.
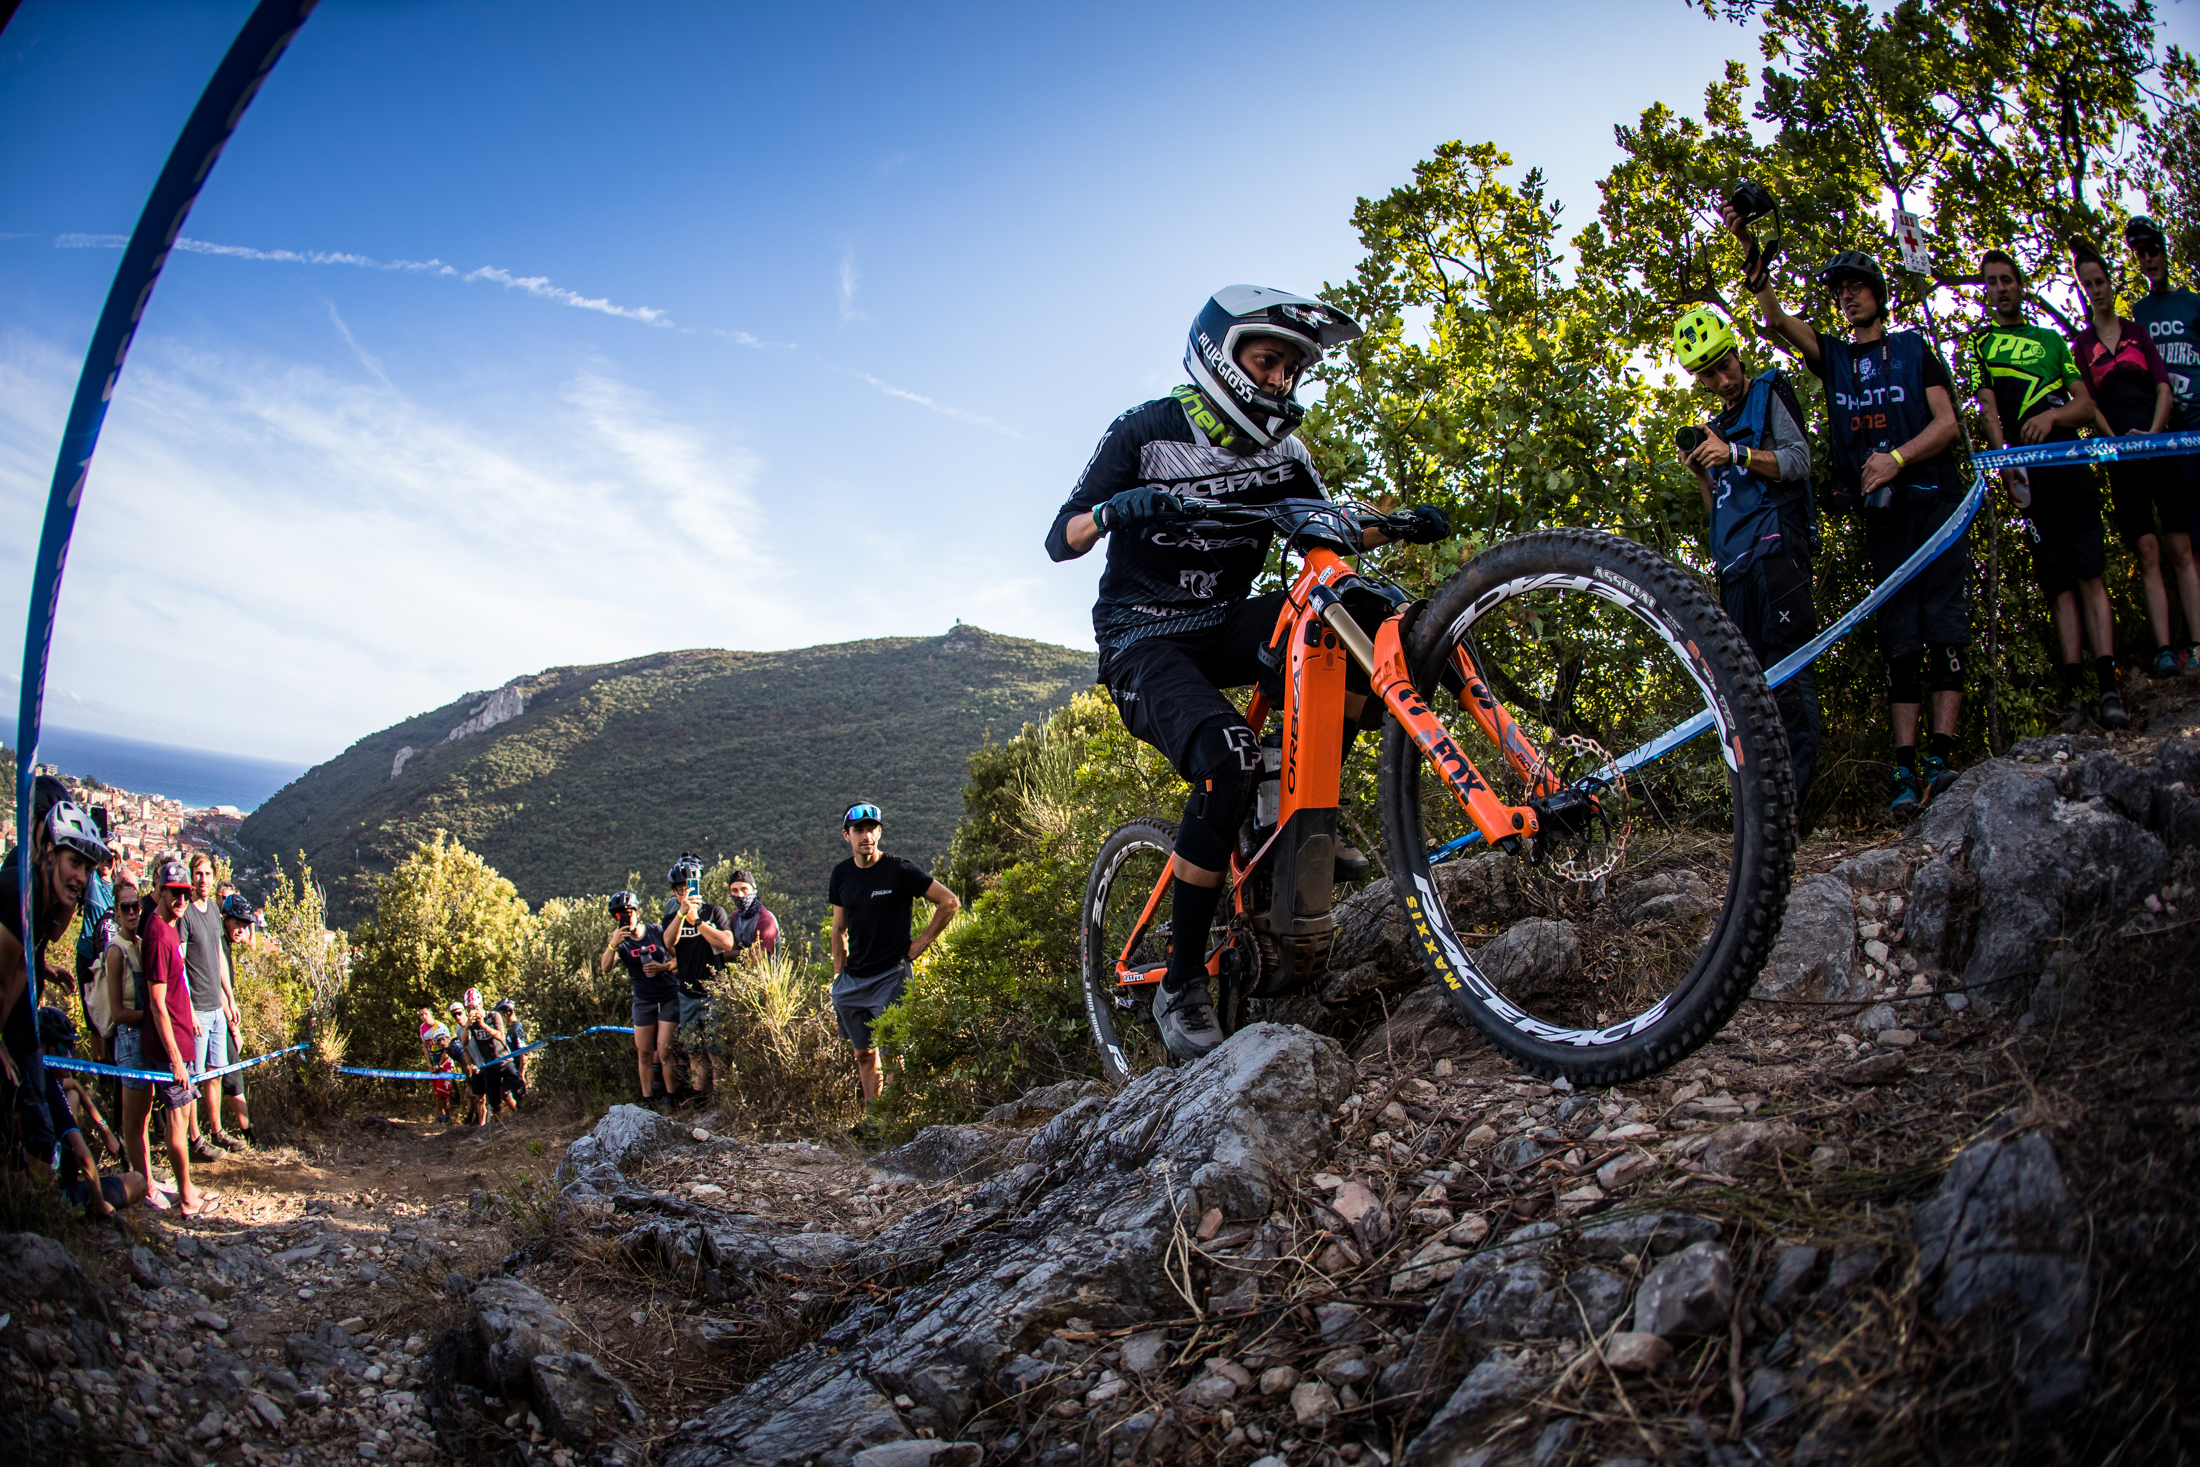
(700, 935)
(1753, 465)
(2030, 387)
(1891, 422)
(656, 1009)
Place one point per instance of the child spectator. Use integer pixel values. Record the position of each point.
(81, 1182)
(435, 1041)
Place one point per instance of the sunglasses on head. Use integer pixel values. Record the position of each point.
(857, 814)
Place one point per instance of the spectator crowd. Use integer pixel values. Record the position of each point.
(1892, 434)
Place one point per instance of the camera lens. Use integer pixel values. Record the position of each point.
(1689, 439)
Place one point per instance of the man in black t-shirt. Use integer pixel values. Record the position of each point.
(873, 897)
(700, 935)
(1891, 421)
(656, 1012)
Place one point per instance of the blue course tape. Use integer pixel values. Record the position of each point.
(236, 81)
(515, 1054)
(93, 1067)
(2089, 450)
(1951, 529)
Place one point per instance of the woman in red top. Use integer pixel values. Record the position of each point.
(2131, 394)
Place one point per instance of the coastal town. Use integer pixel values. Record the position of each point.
(140, 826)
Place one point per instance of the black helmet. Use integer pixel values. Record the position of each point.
(2140, 232)
(623, 901)
(688, 865)
(236, 907)
(1238, 311)
(56, 1030)
(1856, 265)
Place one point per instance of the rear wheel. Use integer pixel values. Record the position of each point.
(1131, 863)
(1633, 928)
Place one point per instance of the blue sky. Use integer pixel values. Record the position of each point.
(531, 334)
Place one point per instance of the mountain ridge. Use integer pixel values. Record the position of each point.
(568, 779)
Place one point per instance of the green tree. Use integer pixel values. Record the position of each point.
(444, 921)
(1487, 381)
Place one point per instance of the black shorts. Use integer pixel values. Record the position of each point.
(489, 1083)
(1169, 688)
(2068, 543)
(1935, 607)
(2144, 490)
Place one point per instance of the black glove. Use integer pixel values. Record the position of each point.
(1145, 505)
(1430, 525)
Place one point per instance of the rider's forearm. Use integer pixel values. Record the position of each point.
(1082, 533)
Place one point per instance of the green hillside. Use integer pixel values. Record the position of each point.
(620, 767)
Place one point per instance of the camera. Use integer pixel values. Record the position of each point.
(1689, 439)
(1751, 201)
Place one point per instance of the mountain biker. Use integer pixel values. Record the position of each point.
(2031, 391)
(1754, 468)
(65, 850)
(1175, 621)
(656, 1014)
(2132, 394)
(1892, 419)
(873, 897)
(700, 935)
(2172, 320)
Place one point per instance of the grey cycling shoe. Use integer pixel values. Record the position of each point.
(1187, 1020)
(1351, 863)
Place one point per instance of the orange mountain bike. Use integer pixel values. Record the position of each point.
(1597, 905)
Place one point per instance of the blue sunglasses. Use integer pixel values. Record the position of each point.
(858, 813)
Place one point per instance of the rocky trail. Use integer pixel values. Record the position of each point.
(1929, 1198)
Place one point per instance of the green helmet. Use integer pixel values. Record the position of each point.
(1701, 337)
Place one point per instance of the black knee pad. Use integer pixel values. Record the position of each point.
(1225, 763)
(1905, 678)
(1943, 667)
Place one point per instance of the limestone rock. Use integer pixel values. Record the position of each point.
(1084, 1232)
(1370, 950)
(1746, 1143)
(920, 1454)
(1497, 1380)
(1422, 1023)
(509, 1323)
(1999, 1243)
(1875, 871)
(1043, 1104)
(1633, 1350)
(1814, 959)
(1532, 956)
(578, 1400)
(1655, 1233)
(1690, 1293)
(594, 1164)
(952, 1154)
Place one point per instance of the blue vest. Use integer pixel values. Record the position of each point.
(1745, 512)
(1877, 402)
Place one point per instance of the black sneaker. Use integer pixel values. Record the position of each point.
(202, 1153)
(1187, 1020)
(2112, 713)
(1351, 863)
(2073, 716)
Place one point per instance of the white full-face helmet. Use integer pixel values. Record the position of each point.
(1236, 312)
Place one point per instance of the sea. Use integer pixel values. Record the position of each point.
(198, 777)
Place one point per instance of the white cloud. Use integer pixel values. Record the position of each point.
(272, 559)
(960, 415)
(849, 283)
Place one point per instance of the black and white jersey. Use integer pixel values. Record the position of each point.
(1178, 577)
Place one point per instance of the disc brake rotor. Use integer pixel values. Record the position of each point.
(1598, 841)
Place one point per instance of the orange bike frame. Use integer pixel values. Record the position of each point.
(1320, 641)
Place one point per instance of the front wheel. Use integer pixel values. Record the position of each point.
(1630, 932)
(1132, 861)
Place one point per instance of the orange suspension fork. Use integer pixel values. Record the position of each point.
(1498, 726)
(1385, 659)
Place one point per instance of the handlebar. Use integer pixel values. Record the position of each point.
(1293, 515)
